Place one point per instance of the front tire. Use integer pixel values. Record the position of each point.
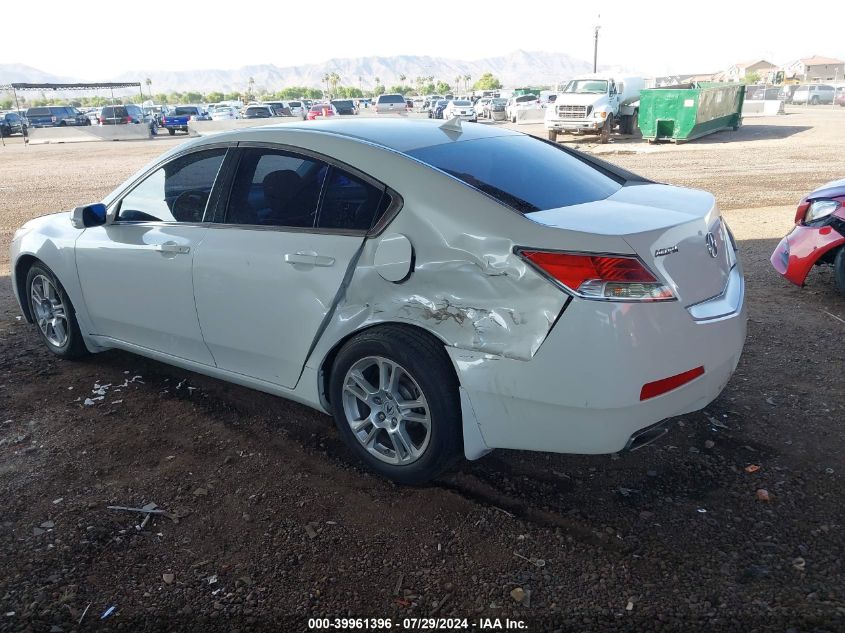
(395, 402)
(839, 270)
(606, 130)
(53, 313)
(552, 136)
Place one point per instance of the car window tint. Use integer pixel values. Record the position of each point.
(522, 172)
(177, 192)
(275, 188)
(350, 203)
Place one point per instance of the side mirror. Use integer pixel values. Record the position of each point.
(89, 215)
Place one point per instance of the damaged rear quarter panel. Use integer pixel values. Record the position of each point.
(467, 287)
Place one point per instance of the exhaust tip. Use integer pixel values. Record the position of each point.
(647, 436)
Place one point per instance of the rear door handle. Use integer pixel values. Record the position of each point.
(309, 259)
(171, 247)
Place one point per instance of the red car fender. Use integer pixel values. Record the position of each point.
(796, 253)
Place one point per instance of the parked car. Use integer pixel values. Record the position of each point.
(298, 108)
(12, 123)
(480, 103)
(176, 118)
(786, 91)
(259, 112)
(560, 309)
(321, 111)
(460, 109)
(55, 116)
(390, 104)
(225, 113)
(436, 111)
(127, 114)
(496, 108)
(813, 94)
(344, 106)
(280, 108)
(522, 102)
(94, 115)
(818, 237)
(840, 97)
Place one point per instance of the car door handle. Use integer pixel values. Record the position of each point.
(309, 259)
(170, 247)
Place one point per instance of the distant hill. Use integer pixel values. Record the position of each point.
(20, 73)
(514, 70)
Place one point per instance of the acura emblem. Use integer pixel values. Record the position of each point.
(710, 240)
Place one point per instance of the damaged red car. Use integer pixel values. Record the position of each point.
(818, 237)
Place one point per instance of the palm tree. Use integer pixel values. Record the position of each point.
(251, 83)
(326, 79)
(149, 83)
(334, 79)
(467, 79)
(402, 79)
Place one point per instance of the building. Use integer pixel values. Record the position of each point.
(816, 69)
(738, 71)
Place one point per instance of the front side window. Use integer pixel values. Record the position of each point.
(275, 188)
(177, 192)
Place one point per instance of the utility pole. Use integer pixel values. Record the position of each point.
(596, 48)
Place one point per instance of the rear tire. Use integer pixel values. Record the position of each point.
(426, 377)
(839, 270)
(63, 337)
(171, 131)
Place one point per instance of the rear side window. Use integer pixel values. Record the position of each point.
(521, 172)
(177, 192)
(275, 188)
(38, 112)
(350, 203)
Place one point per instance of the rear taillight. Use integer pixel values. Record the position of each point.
(102, 120)
(129, 119)
(607, 277)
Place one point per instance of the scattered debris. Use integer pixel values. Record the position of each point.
(708, 444)
(84, 613)
(828, 471)
(630, 605)
(825, 311)
(200, 492)
(537, 562)
(498, 509)
(310, 531)
(108, 612)
(799, 563)
(48, 525)
(752, 468)
(58, 501)
(168, 578)
(212, 579)
(771, 401)
(440, 604)
(702, 510)
(149, 509)
(518, 594)
(627, 492)
(763, 494)
(717, 424)
(398, 587)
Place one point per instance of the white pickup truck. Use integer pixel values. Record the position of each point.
(595, 104)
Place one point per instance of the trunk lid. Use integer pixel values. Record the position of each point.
(676, 232)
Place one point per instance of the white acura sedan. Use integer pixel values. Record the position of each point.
(439, 290)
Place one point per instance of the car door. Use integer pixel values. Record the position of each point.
(267, 274)
(136, 272)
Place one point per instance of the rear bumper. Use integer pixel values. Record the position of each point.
(581, 392)
(796, 253)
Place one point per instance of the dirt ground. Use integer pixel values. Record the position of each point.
(276, 524)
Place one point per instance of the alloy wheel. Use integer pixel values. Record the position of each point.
(49, 310)
(386, 410)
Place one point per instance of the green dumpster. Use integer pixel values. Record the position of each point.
(688, 111)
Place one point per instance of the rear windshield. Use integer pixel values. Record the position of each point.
(461, 102)
(38, 112)
(342, 104)
(391, 99)
(295, 104)
(113, 111)
(184, 111)
(522, 172)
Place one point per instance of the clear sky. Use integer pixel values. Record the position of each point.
(654, 37)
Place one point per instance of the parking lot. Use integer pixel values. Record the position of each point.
(276, 524)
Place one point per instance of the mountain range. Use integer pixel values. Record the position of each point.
(513, 70)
